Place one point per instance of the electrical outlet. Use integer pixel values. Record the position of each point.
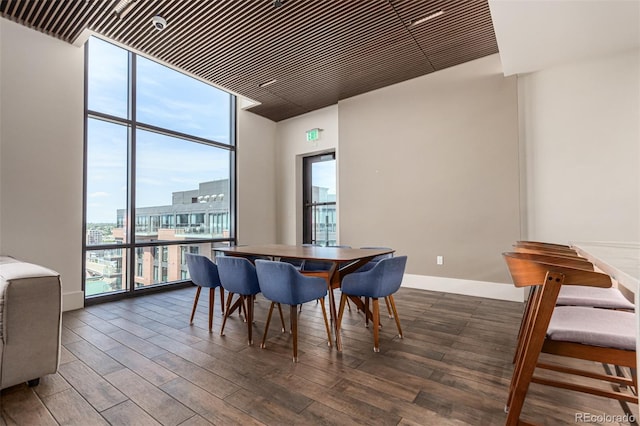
(439, 260)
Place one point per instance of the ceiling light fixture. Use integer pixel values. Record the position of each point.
(123, 8)
(427, 18)
(267, 83)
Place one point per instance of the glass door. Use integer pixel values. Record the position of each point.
(319, 198)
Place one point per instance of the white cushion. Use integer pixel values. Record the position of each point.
(593, 326)
(597, 297)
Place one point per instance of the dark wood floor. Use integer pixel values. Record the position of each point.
(138, 362)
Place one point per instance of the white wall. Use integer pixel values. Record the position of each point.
(256, 157)
(291, 147)
(41, 83)
(581, 131)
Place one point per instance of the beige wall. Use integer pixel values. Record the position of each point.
(581, 132)
(430, 167)
(291, 147)
(256, 179)
(41, 83)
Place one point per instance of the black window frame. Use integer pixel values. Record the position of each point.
(130, 246)
(308, 236)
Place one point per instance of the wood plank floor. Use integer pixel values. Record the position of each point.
(138, 362)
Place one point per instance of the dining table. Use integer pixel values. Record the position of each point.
(343, 261)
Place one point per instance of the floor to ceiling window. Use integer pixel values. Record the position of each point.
(160, 178)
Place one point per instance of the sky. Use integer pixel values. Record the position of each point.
(165, 164)
(166, 99)
(324, 175)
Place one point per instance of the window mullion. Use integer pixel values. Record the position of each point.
(131, 178)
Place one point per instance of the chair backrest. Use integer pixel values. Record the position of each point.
(382, 256)
(316, 265)
(542, 244)
(319, 265)
(526, 271)
(537, 250)
(546, 247)
(238, 275)
(202, 270)
(281, 282)
(380, 281)
(297, 263)
(544, 257)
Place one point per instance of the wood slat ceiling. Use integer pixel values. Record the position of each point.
(319, 51)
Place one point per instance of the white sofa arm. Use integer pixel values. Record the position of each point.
(30, 321)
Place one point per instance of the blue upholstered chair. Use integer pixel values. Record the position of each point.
(204, 273)
(297, 263)
(280, 282)
(366, 267)
(382, 280)
(238, 276)
(376, 259)
(319, 265)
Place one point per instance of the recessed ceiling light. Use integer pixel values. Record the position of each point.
(267, 83)
(428, 17)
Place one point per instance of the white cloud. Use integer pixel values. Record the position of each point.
(99, 194)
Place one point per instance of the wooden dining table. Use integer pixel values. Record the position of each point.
(343, 262)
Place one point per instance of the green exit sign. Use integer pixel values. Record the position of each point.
(313, 135)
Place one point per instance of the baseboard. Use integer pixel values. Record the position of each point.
(75, 300)
(486, 289)
(72, 300)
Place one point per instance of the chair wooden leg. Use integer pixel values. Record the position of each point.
(521, 379)
(249, 310)
(376, 323)
(523, 322)
(392, 302)
(348, 305)
(526, 328)
(343, 299)
(221, 300)
(532, 342)
(226, 311)
(386, 301)
(195, 304)
(326, 322)
(281, 318)
(212, 296)
(242, 309)
(266, 326)
(294, 331)
(366, 312)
